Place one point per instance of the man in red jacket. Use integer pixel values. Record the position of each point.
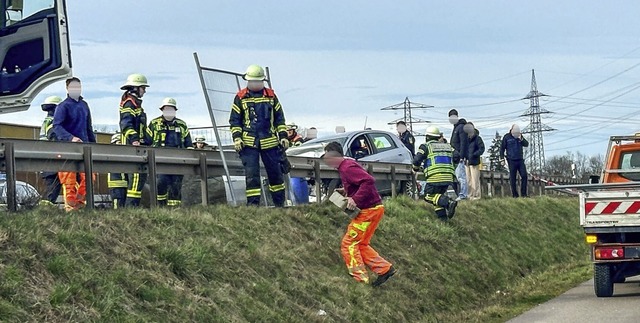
(360, 189)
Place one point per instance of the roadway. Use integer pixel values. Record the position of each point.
(581, 305)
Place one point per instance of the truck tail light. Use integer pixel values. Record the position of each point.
(609, 253)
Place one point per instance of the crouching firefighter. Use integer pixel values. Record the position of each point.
(258, 129)
(439, 172)
(169, 131)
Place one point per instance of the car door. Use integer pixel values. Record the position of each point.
(386, 149)
(34, 50)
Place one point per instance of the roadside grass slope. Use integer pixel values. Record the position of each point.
(495, 259)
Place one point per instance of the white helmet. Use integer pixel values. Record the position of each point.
(433, 131)
(170, 102)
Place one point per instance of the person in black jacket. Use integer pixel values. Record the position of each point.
(512, 143)
(406, 137)
(460, 143)
(476, 149)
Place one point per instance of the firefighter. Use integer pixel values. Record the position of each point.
(292, 135)
(406, 137)
(51, 180)
(133, 125)
(258, 129)
(117, 182)
(72, 122)
(199, 142)
(169, 131)
(439, 172)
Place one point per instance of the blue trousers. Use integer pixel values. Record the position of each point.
(271, 159)
(118, 196)
(519, 167)
(170, 189)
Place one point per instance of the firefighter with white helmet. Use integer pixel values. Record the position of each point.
(51, 179)
(117, 182)
(437, 158)
(259, 131)
(292, 134)
(133, 127)
(200, 142)
(169, 131)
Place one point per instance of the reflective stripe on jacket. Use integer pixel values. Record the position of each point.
(133, 120)
(174, 133)
(257, 119)
(116, 180)
(438, 158)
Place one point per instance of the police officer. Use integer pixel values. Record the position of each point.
(169, 131)
(133, 125)
(406, 137)
(51, 179)
(117, 182)
(258, 129)
(439, 172)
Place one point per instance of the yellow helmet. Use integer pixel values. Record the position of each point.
(433, 131)
(54, 99)
(254, 73)
(170, 102)
(116, 138)
(135, 80)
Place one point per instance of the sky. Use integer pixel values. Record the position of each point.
(337, 63)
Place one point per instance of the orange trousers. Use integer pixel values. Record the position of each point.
(74, 190)
(355, 245)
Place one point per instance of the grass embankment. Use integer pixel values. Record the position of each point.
(496, 258)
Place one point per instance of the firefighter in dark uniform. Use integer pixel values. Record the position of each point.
(439, 172)
(51, 179)
(169, 131)
(117, 182)
(258, 129)
(133, 125)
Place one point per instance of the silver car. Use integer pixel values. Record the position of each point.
(362, 145)
(26, 195)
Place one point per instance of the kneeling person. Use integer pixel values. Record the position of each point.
(439, 172)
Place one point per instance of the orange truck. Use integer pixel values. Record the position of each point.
(610, 215)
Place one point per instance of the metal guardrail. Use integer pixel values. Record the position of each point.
(37, 155)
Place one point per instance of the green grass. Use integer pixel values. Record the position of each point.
(496, 259)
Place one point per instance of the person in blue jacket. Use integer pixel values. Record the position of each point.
(72, 122)
(512, 144)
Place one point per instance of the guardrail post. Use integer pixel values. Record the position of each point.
(316, 171)
(152, 178)
(204, 183)
(88, 176)
(393, 182)
(10, 164)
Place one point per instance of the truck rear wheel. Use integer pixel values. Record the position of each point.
(602, 280)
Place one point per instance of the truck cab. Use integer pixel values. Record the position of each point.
(34, 50)
(610, 215)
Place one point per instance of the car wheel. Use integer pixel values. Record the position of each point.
(408, 188)
(602, 280)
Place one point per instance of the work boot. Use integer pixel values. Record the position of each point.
(383, 278)
(451, 209)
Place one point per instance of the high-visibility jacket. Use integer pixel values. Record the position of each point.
(295, 140)
(116, 180)
(257, 119)
(438, 161)
(174, 133)
(133, 120)
(46, 131)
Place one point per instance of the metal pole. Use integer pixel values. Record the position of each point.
(152, 178)
(88, 176)
(215, 130)
(289, 196)
(10, 162)
(393, 182)
(316, 174)
(204, 183)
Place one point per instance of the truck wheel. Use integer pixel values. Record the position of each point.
(602, 280)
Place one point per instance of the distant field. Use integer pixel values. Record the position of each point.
(495, 259)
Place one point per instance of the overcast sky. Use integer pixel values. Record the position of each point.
(339, 62)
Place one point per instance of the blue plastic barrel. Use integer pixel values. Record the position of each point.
(300, 189)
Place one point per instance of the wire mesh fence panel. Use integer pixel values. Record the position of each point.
(222, 87)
